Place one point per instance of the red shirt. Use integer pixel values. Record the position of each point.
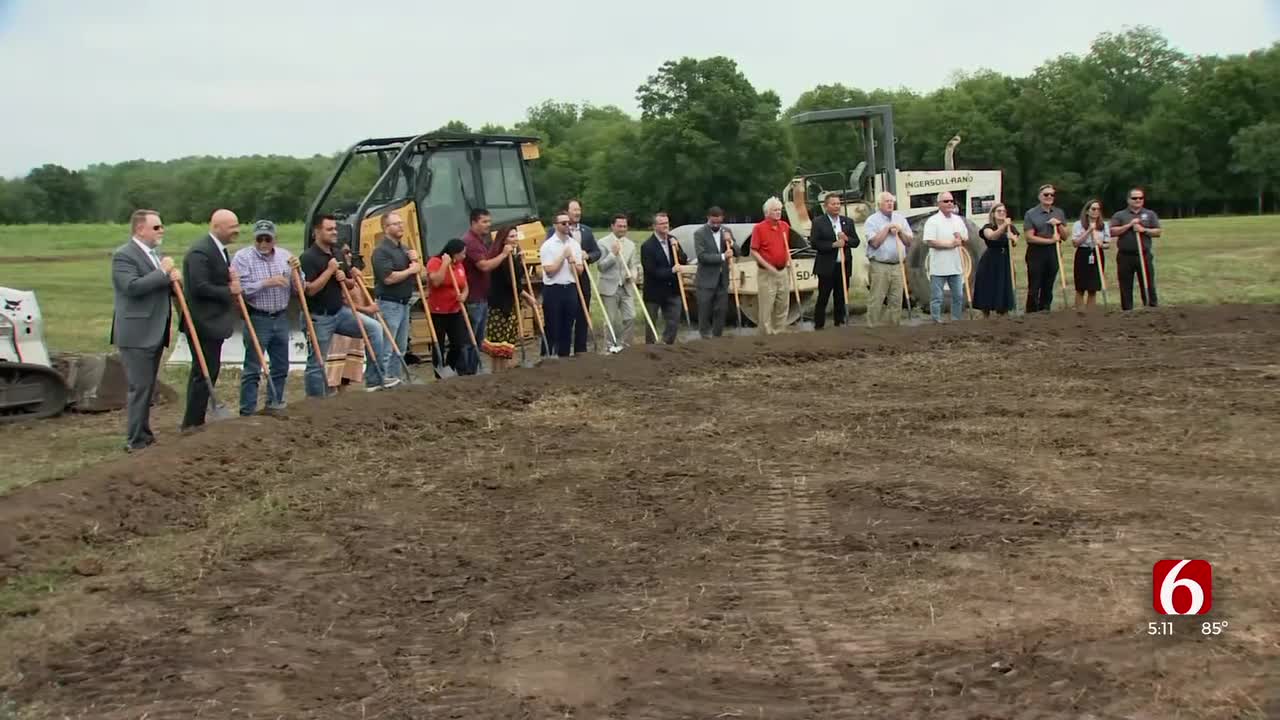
(479, 248)
(771, 242)
(442, 299)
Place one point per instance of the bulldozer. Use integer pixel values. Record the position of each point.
(433, 181)
(976, 193)
(35, 384)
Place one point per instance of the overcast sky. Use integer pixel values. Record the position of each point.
(88, 81)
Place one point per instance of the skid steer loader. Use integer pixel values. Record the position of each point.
(35, 384)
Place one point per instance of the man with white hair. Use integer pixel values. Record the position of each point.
(945, 233)
(888, 238)
(771, 249)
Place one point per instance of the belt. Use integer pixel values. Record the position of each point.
(401, 301)
(882, 262)
(255, 311)
(325, 313)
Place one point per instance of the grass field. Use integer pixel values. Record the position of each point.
(1204, 260)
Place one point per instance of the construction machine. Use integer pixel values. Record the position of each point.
(35, 384)
(433, 181)
(976, 192)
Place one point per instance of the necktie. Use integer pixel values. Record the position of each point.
(154, 258)
(225, 257)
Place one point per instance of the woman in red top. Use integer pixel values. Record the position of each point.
(446, 303)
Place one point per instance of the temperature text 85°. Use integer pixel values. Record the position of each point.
(1213, 628)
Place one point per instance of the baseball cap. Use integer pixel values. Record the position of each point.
(264, 227)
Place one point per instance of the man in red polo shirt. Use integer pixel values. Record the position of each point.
(483, 257)
(771, 249)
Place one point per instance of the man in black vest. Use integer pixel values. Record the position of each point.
(832, 234)
(210, 288)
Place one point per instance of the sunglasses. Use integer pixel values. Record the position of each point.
(264, 239)
(157, 228)
(1048, 195)
(1137, 197)
(947, 202)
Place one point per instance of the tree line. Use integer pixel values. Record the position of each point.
(1201, 133)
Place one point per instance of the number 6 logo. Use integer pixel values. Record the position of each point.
(1193, 577)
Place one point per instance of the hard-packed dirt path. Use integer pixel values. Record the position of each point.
(935, 522)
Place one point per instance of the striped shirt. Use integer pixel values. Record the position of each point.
(254, 268)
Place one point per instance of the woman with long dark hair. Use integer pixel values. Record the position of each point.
(1090, 232)
(445, 297)
(502, 334)
(993, 282)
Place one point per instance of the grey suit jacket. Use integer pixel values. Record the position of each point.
(142, 306)
(713, 269)
(612, 276)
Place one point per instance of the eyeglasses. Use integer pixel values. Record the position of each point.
(157, 227)
(947, 202)
(1137, 197)
(264, 239)
(1048, 194)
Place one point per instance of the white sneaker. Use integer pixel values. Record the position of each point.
(391, 383)
(373, 388)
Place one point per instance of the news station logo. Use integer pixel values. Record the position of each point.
(1182, 587)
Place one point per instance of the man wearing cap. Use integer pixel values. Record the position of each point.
(263, 269)
(394, 268)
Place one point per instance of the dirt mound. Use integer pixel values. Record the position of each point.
(947, 522)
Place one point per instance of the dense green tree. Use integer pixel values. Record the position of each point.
(1256, 155)
(707, 137)
(68, 198)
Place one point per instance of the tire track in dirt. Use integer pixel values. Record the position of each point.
(783, 587)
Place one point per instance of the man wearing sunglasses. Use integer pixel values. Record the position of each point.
(265, 278)
(946, 233)
(1129, 225)
(1044, 227)
(142, 319)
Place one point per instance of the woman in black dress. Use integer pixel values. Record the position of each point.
(502, 338)
(993, 283)
(1090, 232)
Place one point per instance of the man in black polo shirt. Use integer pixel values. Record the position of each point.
(1127, 225)
(329, 313)
(1043, 227)
(394, 267)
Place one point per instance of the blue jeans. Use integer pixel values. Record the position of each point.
(343, 323)
(479, 314)
(273, 336)
(397, 317)
(936, 283)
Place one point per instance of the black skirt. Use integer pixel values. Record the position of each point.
(1087, 275)
(992, 285)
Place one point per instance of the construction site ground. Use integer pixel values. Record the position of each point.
(953, 521)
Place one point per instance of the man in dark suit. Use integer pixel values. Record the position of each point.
(832, 234)
(661, 257)
(140, 321)
(713, 244)
(210, 288)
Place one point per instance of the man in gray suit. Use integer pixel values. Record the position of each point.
(140, 325)
(618, 295)
(713, 244)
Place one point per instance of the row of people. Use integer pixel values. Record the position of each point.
(467, 286)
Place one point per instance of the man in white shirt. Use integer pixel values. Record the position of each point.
(888, 237)
(945, 233)
(561, 258)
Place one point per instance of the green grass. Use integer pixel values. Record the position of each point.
(1203, 260)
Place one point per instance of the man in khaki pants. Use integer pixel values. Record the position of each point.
(770, 246)
(888, 239)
